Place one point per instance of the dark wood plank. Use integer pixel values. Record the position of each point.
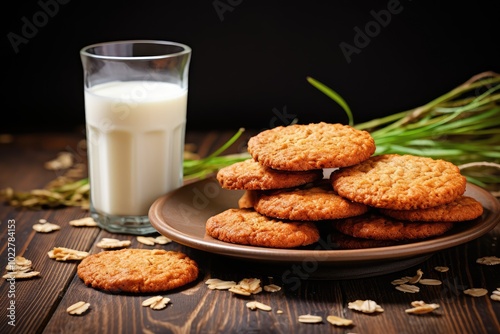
(35, 299)
(41, 303)
(197, 309)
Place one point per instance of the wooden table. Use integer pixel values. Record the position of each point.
(38, 305)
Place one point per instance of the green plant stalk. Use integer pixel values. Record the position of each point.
(455, 126)
(334, 96)
(199, 168)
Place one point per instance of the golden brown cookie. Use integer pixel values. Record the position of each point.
(137, 270)
(378, 227)
(248, 199)
(250, 175)
(248, 227)
(313, 203)
(300, 147)
(400, 182)
(462, 209)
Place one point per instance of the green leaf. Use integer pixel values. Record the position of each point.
(334, 96)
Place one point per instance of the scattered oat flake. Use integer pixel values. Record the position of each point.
(420, 307)
(222, 285)
(401, 280)
(113, 243)
(46, 227)
(489, 260)
(19, 264)
(161, 304)
(87, 221)
(239, 291)
(310, 319)
(279, 311)
(156, 302)
(162, 240)
(247, 287)
(63, 160)
(441, 269)
(430, 281)
(408, 288)
(251, 285)
(338, 321)
(152, 300)
(495, 295)
(78, 308)
(253, 305)
(417, 277)
(21, 274)
(66, 254)
(272, 288)
(150, 241)
(476, 292)
(20, 268)
(365, 306)
(218, 284)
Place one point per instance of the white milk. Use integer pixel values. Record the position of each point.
(135, 142)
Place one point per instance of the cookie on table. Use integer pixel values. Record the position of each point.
(400, 182)
(250, 175)
(300, 147)
(248, 227)
(462, 209)
(137, 270)
(378, 227)
(312, 203)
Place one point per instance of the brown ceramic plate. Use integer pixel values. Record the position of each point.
(181, 215)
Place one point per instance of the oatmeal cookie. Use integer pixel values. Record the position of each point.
(300, 147)
(248, 227)
(137, 270)
(248, 199)
(313, 203)
(400, 182)
(378, 227)
(462, 209)
(250, 175)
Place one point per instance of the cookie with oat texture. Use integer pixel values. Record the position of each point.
(378, 227)
(137, 270)
(250, 175)
(400, 182)
(314, 202)
(300, 147)
(462, 209)
(248, 227)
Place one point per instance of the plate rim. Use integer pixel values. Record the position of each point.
(326, 256)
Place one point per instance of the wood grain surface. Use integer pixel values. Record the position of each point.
(40, 303)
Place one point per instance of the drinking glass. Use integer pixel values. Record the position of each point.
(135, 113)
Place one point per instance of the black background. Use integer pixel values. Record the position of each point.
(251, 58)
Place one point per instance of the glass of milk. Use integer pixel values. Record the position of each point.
(135, 111)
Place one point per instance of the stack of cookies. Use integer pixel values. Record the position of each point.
(410, 198)
(368, 200)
